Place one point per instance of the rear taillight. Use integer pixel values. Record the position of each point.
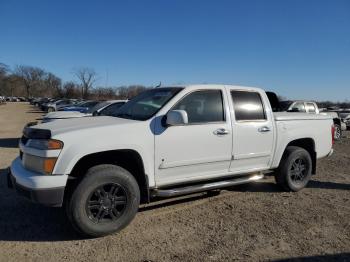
(332, 133)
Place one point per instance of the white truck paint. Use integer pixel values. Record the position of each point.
(311, 107)
(183, 153)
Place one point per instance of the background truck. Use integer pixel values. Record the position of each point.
(311, 107)
(165, 142)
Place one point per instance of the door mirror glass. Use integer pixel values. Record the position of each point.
(176, 117)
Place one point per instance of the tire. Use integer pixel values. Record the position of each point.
(337, 132)
(50, 109)
(92, 212)
(295, 169)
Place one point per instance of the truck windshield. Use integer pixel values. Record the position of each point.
(146, 104)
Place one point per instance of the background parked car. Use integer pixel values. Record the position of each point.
(56, 105)
(345, 116)
(101, 109)
(81, 107)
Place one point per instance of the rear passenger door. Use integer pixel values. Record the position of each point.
(253, 131)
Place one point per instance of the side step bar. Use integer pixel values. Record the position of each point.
(205, 187)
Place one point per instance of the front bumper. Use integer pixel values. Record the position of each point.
(43, 189)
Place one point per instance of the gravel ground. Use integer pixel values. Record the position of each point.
(252, 223)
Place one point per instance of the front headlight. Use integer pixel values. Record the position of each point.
(42, 165)
(45, 144)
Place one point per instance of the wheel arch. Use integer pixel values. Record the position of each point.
(128, 159)
(309, 145)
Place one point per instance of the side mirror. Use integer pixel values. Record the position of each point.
(176, 117)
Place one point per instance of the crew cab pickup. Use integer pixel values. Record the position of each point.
(165, 142)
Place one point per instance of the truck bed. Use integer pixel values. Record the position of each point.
(288, 116)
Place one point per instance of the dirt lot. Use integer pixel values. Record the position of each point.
(252, 222)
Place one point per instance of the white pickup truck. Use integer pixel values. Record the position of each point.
(165, 142)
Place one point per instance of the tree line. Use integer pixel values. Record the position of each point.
(30, 81)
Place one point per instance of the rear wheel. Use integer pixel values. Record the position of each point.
(104, 202)
(295, 169)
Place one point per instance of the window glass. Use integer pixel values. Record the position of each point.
(147, 103)
(298, 107)
(202, 106)
(248, 106)
(285, 105)
(88, 104)
(112, 109)
(311, 108)
(98, 106)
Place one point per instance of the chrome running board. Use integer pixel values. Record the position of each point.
(178, 191)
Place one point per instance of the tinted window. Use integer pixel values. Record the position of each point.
(202, 106)
(98, 106)
(285, 105)
(248, 106)
(298, 107)
(110, 110)
(311, 108)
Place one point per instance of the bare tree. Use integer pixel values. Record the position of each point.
(31, 76)
(70, 90)
(54, 84)
(3, 77)
(87, 77)
(3, 69)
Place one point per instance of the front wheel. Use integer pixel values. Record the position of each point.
(50, 109)
(295, 169)
(104, 202)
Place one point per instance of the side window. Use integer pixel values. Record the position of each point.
(111, 109)
(311, 108)
(299, 107)
(248, 106)
(202, 106)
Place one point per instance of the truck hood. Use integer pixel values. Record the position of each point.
(83, 123)
(64, 114)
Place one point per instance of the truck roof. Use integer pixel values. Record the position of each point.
(197, 86)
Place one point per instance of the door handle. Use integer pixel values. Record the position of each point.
(264, 129)
(221, 131)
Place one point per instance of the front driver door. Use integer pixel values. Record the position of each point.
(197, 150)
